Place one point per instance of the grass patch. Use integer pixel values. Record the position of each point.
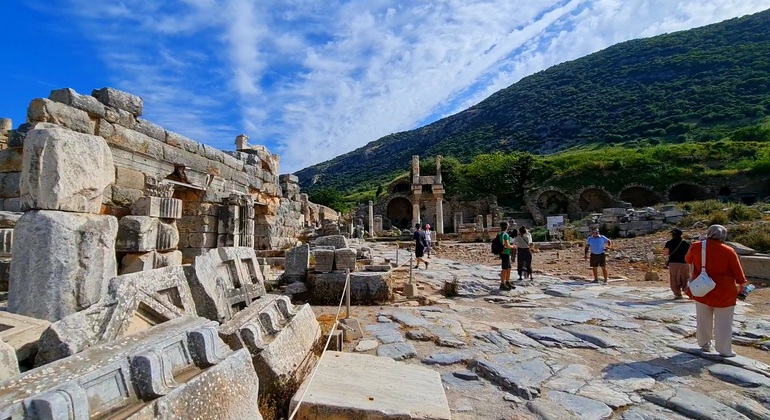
(754, 235)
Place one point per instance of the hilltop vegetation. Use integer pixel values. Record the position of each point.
(693, 87)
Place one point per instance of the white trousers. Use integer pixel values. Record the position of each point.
(716, 324)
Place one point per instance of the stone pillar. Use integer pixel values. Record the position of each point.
(440, 215)
(458, 220)
(415, 169)
(416, 211)
(378, 223)
(242, 142)
(438, 170)
(371, 219)
(489, 221)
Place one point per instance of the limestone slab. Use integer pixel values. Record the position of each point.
(738, 376)
(118, 99)
(365, 287)
(133, 303)
(551, 337)
(161, 207)
(9, 365)
(336, 241)
(72, 256)
(520, 377)
(22, 333)
(403, 391)
(297, 264)
(397, 351)
(65, 170)
(693, 404)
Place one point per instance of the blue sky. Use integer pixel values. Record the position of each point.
(313, 79)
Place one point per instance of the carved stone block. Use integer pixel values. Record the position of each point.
(161, 207)
(345, 259)
(324, 260)
(138, 233)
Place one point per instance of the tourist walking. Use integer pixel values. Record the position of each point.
(714, 311)
(419, 246)
(505, 257)
(429, 245)
(522, 241)
(675, 250)
(598, 244)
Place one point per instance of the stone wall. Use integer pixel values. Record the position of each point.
(227, 198)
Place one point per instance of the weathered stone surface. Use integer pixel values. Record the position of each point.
(551, 337)
(72, 256)
(397, 351)
(86, 103)
(224, 279)
(366, 345)
(403, 391)
(22, 333)
(648, 411)
(386, 333)
(8, 219)
(136, 372)
(604, 394)
(444, 359)
(693, 404)
(741, 249)
(161, 207)
(519, 377)
(119, 99)
(592, 334)
(44, 110)
(579, 407)
(9, 365)
(324, 260)
(136, 262)
(296, 288)
(64, 170)
(279, 336)
(168, 236)
(345, 259)
(738, 376)
(297, 264)
(137, 234)
(337, 241)
(518, 339)
(133, 302)
(6, 242)
(743, 404)
(365, 287)
(628, 379)
(167, 259)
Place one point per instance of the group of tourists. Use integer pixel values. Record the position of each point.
(521, 244)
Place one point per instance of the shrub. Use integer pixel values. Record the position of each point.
(743, 213)
(755, 236)
(718, 218)
(705, 208)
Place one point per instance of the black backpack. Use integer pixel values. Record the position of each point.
(497, 245)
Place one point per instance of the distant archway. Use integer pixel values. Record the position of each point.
(640, 196)
(688, 192)
(553, 202)
(400, 212)
(594, 199)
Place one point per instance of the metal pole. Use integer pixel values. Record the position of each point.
(410, 269)
(396, 253)
(347, 292)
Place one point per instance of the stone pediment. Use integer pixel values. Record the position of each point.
(133, 303)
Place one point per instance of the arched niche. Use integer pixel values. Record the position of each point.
(553, 202)
(399, 212)
(688, 192)
(594, 199)
(640, 196)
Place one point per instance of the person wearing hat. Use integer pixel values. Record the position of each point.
(675, 250)
(714, 311)
(598, 245)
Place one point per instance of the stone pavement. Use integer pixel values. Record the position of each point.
(558, 349)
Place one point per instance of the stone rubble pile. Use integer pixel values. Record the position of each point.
(634, 222)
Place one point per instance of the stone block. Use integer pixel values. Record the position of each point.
(614, 212)
(136, 262)
(44, 110)
(157, 373)
(324, 260)
(168, 259)
(133, 303)
(9, 365)
(86, 103)
(345, 259)
(297, 264)
(8, 219)
(150, 130)
(337, 241)
(123, 196)
(72, 256)
(127, 177)
(11, 160)
(181, 142)
(161, 207)
(9, 184)
(740, 249)
(756, 266)
(135, 142)
(6, 242)
(168, 236)
(118, 99)
(202, 240)
(279, 336)
(138, 234)
(22, 333)
(366, 287)
(404, 391)
(5, 274)
(225, 280)
(64, 170)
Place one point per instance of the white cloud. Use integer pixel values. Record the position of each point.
(314, 79)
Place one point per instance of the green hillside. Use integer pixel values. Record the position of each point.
(693, 86)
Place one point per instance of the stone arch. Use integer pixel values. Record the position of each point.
(399, 211)
(640, 196)
(688, 192)
(553, 202)
(594, 199)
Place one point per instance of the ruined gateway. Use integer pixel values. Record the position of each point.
(130, 267)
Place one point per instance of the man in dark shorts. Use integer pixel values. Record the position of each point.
(597, 244)
(505, 258)
(420, 243)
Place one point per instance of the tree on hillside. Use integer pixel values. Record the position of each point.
(499, 173)
(752, 133)
(329, 197)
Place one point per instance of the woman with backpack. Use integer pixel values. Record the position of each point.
(522, 242)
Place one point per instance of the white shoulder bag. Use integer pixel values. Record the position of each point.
(702, 284)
